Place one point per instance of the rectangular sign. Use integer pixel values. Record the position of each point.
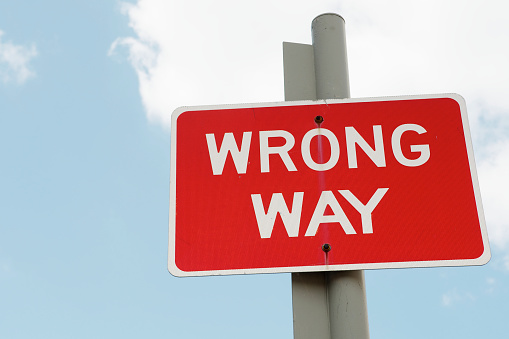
(324, 185)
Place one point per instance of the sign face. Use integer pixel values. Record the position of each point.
(324, 185)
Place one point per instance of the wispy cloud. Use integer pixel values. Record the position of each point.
(14, 61)
(506, 262)
(491, 284)
(5, 268)
(454, 297)
(447, 299)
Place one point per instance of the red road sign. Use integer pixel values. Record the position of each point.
(384, 182)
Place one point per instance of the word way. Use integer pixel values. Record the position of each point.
(292, 219)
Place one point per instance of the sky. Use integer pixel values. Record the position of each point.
(86, 93)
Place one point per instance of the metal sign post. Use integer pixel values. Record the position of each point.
(326, 305)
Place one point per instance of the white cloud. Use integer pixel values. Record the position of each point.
(494, 182)
(14, 60)
(203, 52)
(226, 51)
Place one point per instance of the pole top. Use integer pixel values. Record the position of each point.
(328, 14)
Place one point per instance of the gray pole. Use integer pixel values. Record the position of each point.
(326, 305)
(331, 66)
(346, 290)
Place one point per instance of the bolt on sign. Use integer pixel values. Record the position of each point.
(324, 185)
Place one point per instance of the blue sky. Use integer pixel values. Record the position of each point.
(86, 92)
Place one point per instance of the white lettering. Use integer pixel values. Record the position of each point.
(353, 137)
(306, 149)
(277, 204)
(396, 146)
(218, 158)
(327, 198)
(365, 210)
(265, 150)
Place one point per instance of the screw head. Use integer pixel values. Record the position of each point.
(326, 248)
(318, 119)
